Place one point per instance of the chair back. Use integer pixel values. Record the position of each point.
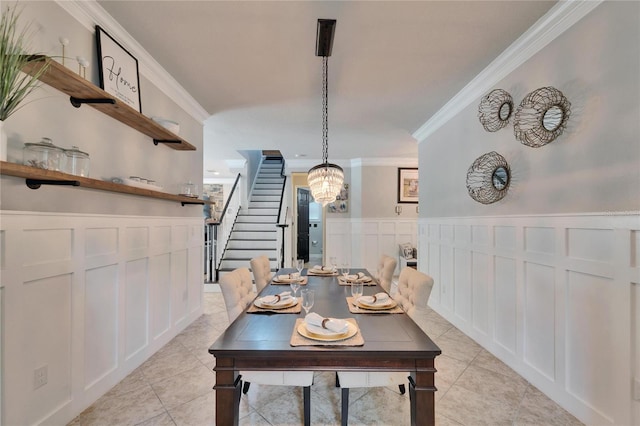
(261, 268)
(414, 289)
(237, 290)
(386, 266)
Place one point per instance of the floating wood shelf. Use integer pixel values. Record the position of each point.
(84, 91)
(36, 177)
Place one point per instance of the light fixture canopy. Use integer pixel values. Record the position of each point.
(326, 179)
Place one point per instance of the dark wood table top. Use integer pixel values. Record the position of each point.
(392, 337)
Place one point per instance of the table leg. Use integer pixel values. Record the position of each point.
(228, 391)
(422, 393)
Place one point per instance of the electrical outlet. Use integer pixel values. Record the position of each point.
(40, 377)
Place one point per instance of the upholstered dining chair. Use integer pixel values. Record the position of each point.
(238, 294)
(261, 268)
(386, 268)
(414, 289)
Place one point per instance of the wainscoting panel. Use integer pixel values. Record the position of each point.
(160, 286)
(101, 323)
(462, 261)
(178, 276)
(363, 241)
(47, 323)
(89, 297)
(539, 336)
(554, 297)
(136, 306)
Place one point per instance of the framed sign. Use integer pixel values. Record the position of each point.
(118, 70)
(408, 185)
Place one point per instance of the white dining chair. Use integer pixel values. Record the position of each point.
(238, 294)
(261, 268)
(386, 268)
(414, 289)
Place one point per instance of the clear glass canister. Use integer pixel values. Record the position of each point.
(77, 162)
(44, 155)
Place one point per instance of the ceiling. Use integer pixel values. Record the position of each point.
(252, 66)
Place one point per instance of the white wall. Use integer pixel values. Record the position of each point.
(92, 283)
(361, 241)
(90, 297)
(550, 296)
(545, 278)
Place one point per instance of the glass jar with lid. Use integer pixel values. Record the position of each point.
(77, 162)
(44, 155)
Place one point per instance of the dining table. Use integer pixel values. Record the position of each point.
(262, 341)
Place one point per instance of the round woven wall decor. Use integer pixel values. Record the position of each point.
(541, 117)
(488, 178)
(495, 110)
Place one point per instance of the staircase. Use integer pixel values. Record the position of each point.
(254, 232)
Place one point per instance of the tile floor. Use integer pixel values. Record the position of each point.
(174, 387)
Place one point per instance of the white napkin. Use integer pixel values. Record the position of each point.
(377, 299)
(333, 324)
(358, 276)
(285, 296)
(287, 277)
(323, 268)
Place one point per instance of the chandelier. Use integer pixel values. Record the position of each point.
(325, 180)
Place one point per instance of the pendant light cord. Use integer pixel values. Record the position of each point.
(325, 109)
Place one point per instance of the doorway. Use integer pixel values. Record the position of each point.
(309, 228)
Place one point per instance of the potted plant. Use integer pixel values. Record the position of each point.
(15, 85)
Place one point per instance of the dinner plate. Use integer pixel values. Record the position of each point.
(389, 305)
(282, 305)
(286, 280)
(352, 330)
(351, 279)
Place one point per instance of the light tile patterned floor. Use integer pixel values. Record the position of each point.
(174, 386)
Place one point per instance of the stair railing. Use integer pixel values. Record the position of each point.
(222, 229)
(282, 221)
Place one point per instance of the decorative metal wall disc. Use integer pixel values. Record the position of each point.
(488, 178)
(495, 110)
(541, 117)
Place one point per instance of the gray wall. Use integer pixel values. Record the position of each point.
(377, 193)
(115, 149)
(593, 167)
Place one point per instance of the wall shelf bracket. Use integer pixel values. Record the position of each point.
(157, 141)
(77, 102)
(184, 203)
(36, 183)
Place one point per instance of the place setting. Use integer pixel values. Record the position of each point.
(379, 303)
(315, 329)
(292, 278)
(322, 271)
(282, 303)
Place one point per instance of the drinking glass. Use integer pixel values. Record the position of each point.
(345, 270)
(307, 299)
(333, 262)
(295, 285)
(356, 290)
(300, 267)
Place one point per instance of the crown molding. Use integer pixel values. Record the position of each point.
(89, 13)
(381, 162)
(556, 21)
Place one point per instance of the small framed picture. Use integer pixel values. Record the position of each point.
(118, 70)
(408, 185)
